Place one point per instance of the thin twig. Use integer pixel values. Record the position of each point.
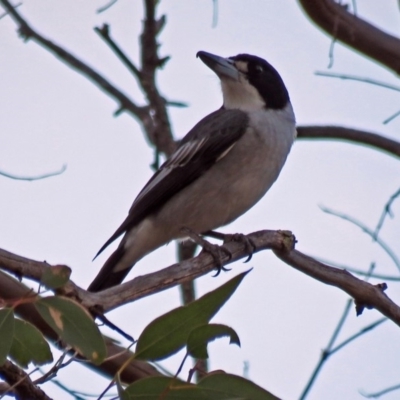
(327, 352)
(387, 211)
(27, 32)
(381, 392)
(359, 79)
(215, 14)
(106, 6)
(391, 118)
(354, 4)
(368, 231)
(358, 334)
(34, 178)
(6, 13)
(104, 33)
(104, 392)
(77, 394)
(335, 19)
(181, 365)
(52, 372)
(359, 271)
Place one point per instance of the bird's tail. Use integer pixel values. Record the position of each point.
(107, 278)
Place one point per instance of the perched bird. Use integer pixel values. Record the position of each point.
(221, 168)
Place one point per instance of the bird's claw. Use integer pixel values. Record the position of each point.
(214, 250)
(249, 245)
(219, 269)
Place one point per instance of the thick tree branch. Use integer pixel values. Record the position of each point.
(10, 289)
(27, 32)
(281, 242)
(153, 117)
(179, 273)
(20, 383)
(340, 24)
(157, 127)
(151, 62)
(365, 294)
(350, 135)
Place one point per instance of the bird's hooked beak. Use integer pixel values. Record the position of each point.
(223, 67)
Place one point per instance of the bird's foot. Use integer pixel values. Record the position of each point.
(214, 250)
(250, 246)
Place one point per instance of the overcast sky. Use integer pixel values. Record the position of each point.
(51, 116)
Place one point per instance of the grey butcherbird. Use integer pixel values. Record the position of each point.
(221, 168)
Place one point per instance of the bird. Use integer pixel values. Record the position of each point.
(221, 168)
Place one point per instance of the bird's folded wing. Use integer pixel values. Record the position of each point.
(209, 141)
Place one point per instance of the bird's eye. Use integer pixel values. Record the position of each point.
(259, 69)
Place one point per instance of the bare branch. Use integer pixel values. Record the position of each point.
(362, 331)
(20, 383)
(186, 250)
(6, 13)
(358, 79)
(359, 271)
(281, 242)
(215, 14)
(74, 394)
(350, 135)
(145, 285)
(161, 134)
(339, 23)
(153, 117)
(381, 392)
(391, 118)
(363, 292)
(106, 6)
(11, 289)
(364, 80)
(386, 211)
(34, 178)
(327, 352)
(368, 231)
(104, 33)
(188, 270)
(27, 32)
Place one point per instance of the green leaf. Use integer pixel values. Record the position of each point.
(201, 336)
(29, 345)
(168, 334)
(56, 276)
(165, 388)
(6, 332)
(74, 325)
(233, 386)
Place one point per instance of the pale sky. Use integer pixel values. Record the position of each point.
(50, 116)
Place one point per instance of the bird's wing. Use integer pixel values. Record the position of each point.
(209, 141)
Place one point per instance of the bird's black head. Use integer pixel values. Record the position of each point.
(248, 82)
(264, 77)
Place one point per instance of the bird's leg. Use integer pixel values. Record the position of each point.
(96, 313)
(236, 237)
(214, 250)
(215, 235)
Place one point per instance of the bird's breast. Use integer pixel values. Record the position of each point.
(239, 179)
